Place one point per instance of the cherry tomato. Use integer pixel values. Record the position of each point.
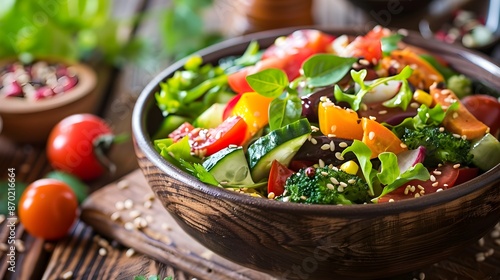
(72, 145)
(231, 131)
(369, 46)
(230, 105)
(277, 178)
(446, 179)
(181, 131)
(486, 109)
(48, 209)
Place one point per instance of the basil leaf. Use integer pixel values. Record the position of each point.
(269, 82)
(417, 172)
(402, 99)
(389, 169)
(390, 43)
(363, 154)
(283, 111)
(326, 69)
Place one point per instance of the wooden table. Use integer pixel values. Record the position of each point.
(81, 254)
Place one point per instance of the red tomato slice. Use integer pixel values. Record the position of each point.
(442, 178)
(277, 178)
(288, 55)
(486, 109)
(231, 131)
(465, 174)
(369, 46)
(181, 131)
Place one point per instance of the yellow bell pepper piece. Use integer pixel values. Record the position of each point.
(254, 109)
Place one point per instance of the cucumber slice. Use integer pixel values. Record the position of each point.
(486, 152)
(280, 144)
(229, 166)
(211, 117)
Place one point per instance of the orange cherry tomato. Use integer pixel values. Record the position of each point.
(48, 209)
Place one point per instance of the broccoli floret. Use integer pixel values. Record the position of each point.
(325, 185)
(441, 146)
(460, 85)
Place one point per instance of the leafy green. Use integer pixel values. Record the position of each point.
(359, 77)
(326, 69)
(445, 71)
(268, 82)
(189, 92)
(197, 170)
(402, 99)
(390, 43)
(460, 85)
(284, 111)
(176, 152)
(390, 174)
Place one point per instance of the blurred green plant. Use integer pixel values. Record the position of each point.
(69, 29)
(184, 29)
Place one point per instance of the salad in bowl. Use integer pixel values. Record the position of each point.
(322, 119)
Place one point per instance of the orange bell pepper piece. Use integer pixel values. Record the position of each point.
(254, 109)
(380, 139)
(338, 121)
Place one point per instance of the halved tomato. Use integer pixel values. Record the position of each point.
(277, 178)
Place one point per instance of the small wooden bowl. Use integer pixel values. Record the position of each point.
(31, 121)
(295, 241)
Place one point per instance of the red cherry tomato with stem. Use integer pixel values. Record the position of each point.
(48, 209)
(78, 144)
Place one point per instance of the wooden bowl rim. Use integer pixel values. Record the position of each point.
(144, 143)
(87, 81)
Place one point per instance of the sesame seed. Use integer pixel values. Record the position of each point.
(128, 204)
(324, 173)
(427, 115)
(435, 184)
(314, 141)
(391, 200)
(464, 137)
(331, 135)
(437, 172)
(119, 205)
(286, 199)
(140, 223)
(339, 156)
(382, 112)
(351, 181)
(417, 195)
(129, 226)
(364, 107)
(414, 105)
(321, 163)
(134, 214)
(403, 145)
(481, 242)
(364, 62)
(439, 190)
(340, 188)
(148, 204)
(445, 91)
(342, 184)
(372, 118)
(115, 216)
(455, 115)
(407, 189)
(456, 166)
(456, 135)
(371, 135)
(490, 252)
(271, 195)
(445, 185)
(420, 187)
(433, 178)
(67, 275)
(495, 234)
(412, 189)
(303, 197)
(441, 129)
(123, 184)
(130, 252)
(330, 186)
(343, 144)
(19, 244)
(314, 128)
(102, 251)
(480, 257)
(334, 180)
(333, 128)
(421, 276)
(325, 147)
(103, 242)
(332, 146)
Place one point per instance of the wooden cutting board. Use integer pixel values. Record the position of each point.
(126, 211)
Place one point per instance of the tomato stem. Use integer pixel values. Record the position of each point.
(103, 144)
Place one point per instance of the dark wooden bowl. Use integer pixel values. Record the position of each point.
(291, 240)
